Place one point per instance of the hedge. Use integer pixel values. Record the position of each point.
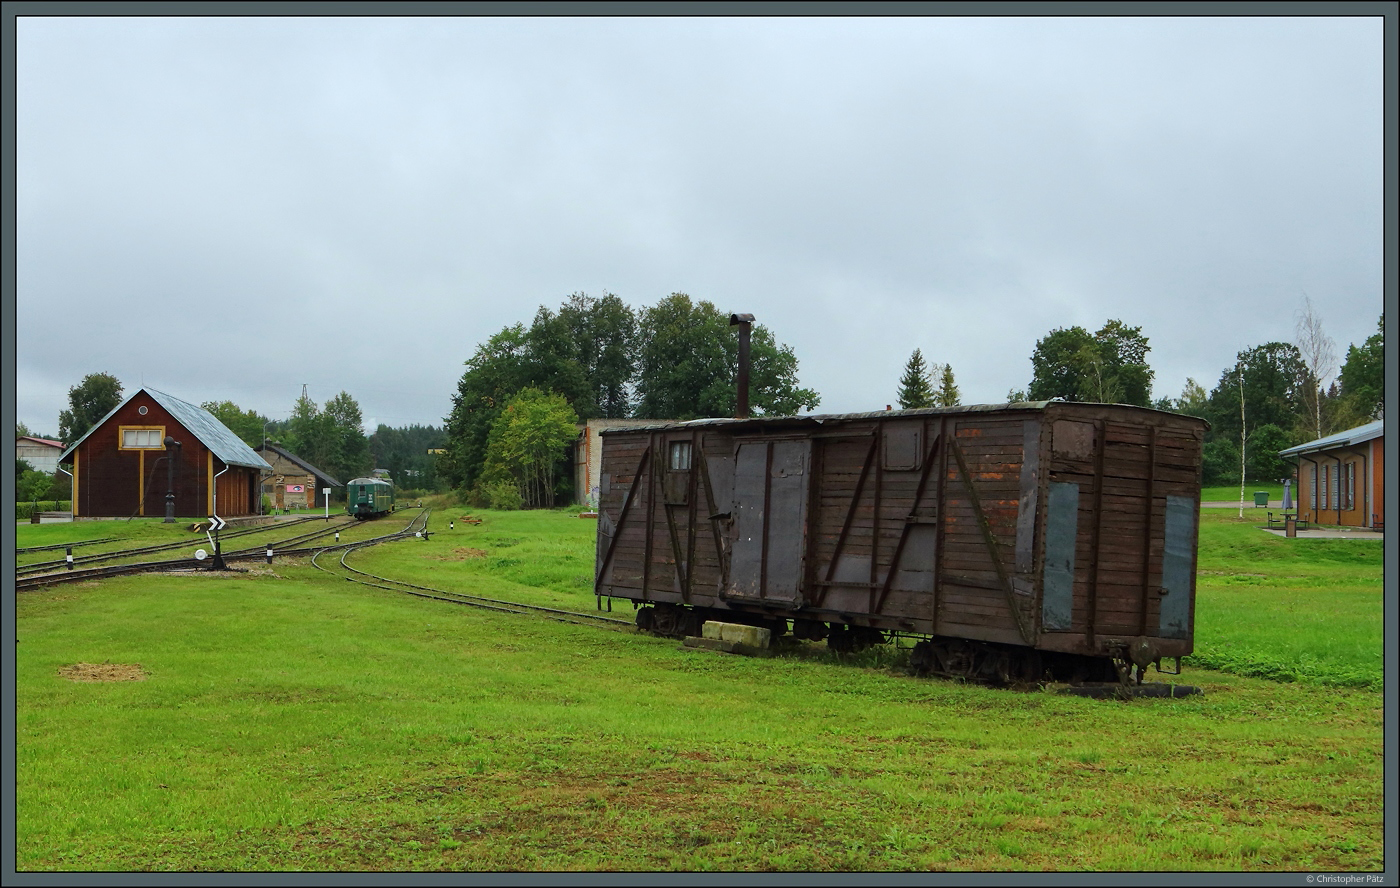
(25, 511)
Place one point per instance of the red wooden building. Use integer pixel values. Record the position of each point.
(121, 466)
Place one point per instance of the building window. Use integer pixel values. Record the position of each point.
(680, 456)
(1312, 500)
(1351, 486)
(1326, 473)
(1336, 487)
(142, 438)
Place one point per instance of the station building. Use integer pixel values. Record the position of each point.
(1341, 478)
(122, 466)
(294, 482)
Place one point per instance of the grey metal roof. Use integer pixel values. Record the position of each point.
(213, 434)
(292, 457)
(1358, 435)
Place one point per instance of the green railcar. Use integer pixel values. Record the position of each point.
(369, 498)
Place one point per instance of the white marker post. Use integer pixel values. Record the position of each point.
(326, 492)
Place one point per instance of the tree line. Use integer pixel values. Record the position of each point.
(1272, 397)
(525, 389)
(330, 437)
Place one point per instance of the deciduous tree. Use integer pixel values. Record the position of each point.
(1108, 367)
(688, 359)
(332, 439)
(1363, 375)
(246, 424)
(88, 401)
(527, 440)
(1274, 380)
(1319, 355)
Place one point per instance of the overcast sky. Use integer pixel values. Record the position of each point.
(230, 208)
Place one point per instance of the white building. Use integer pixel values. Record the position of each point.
(41, 453)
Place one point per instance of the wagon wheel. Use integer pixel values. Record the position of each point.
(922, 658)
(646, 620)
(663, 621)
(839, 640)
(688, 622)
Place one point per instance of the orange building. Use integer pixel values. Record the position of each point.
(1341, 478)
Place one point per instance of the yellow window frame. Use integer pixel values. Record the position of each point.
(122, 430)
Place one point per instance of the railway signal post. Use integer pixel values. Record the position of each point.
(217, 524)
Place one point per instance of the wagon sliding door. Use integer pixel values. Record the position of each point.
(771, 480)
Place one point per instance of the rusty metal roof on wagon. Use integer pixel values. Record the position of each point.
(821, 418)
(213, 434)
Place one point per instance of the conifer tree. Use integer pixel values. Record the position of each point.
(947, 394)
(915, 387)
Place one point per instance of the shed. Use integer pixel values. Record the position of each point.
(1341, 477)
(41, 453)
(588, 454)
(121, 466)
(294, 482)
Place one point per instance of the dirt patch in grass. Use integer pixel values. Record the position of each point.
(103, 672)
(462, 554)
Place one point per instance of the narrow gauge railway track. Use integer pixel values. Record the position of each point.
(49, 566)
(189, 563)
(74, 545)
(364, 578)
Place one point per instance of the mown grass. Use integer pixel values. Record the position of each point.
(1227, 493)
(1289, 609)
(293, 722)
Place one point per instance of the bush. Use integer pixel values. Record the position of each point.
(503, 495)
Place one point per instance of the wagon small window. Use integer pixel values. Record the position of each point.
(680, 456)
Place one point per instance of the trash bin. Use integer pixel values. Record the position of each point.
(1290, 525)
(1261, 498)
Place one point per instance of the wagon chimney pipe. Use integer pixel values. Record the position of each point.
(745, 324)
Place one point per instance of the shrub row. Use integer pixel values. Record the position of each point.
(24, 511)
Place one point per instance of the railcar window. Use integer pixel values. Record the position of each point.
(680, 456)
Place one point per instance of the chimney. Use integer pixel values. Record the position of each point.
(745, 323)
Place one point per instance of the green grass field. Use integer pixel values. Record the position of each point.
(1231, 494)
(287, 721)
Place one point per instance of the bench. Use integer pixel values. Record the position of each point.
(50, 517)
(1281, 521)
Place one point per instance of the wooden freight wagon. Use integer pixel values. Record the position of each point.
(1017, 540)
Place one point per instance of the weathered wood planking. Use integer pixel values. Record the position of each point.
(933, 521)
